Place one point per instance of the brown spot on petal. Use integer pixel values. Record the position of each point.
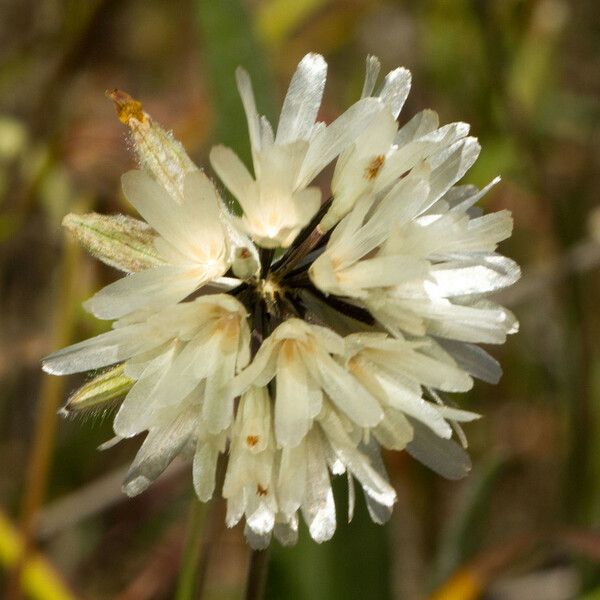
(357, 366)
(261, 491)
(252, 440)
(127, 107)
(288, 350)
(244, 253)
(374, 167)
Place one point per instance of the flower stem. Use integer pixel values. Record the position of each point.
(257, 574)
(189, 565)
(206, 537)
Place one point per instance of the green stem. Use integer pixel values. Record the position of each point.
(189, 565)
(257, 574)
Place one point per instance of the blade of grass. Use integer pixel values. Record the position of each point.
(191, 552)
(354, 564)
(227, 41)
(51, 395)
(459, 540)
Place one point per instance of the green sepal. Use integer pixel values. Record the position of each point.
(119, 241)
(98, 393)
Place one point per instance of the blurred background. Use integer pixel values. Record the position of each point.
(525, 73)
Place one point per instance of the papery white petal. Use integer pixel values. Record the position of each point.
(346, 393)
(318, 507)
(218, 406)
(352, 173)
(394, 431)
(443, 456)
(395, 316)
(152, 288)
(404, 202)
(474, 360)
(160, 447)
(100, 351)
(379, 510)
(413, 405)
(477, 323)
(328, 339)
(287, 533)
(352, 222)
(156, 207)
(395, 89)
(267, 138)
(236, 506)
(484, 274)
(449, 165)
(303, 100)
(381, 271)
(431, 146)
(259, 372)
(136, 412)
(244, 85)
(374, 485)
(292, 417)
(260, 525)
(470, 199)
(256, 541)
(255, 416)
(400, 358)
(279, 165)
(231, 170)
(372, 67)
(292, 479)
(204, 469)
(329, 142)
(202, 209)
(351, 496)
(455, 414)
(421, 124)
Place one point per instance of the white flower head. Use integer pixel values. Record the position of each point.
(305, 366)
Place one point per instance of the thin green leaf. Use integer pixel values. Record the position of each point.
(227, 41)
(460, 539)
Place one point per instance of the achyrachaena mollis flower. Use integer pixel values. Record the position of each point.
(302, 337)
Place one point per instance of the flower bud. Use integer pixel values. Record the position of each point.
(119, 241)
(157, 150)
(98, 393)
